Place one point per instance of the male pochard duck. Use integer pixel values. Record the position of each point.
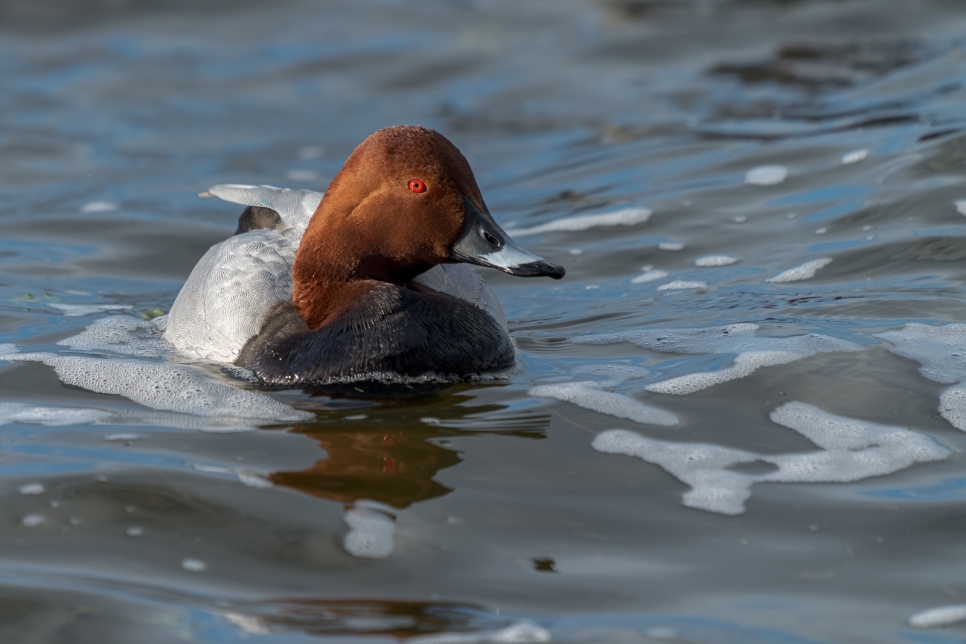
(364, 283)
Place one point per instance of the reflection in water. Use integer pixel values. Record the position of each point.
(399, 619)
(390, 464)
(391, 453)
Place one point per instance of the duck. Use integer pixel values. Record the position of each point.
(368, 281)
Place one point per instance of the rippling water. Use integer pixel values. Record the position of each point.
(761, 208)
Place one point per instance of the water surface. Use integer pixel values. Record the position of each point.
(803, 166)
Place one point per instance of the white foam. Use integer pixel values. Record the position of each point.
(164, 386)
(752, 352)
(766, 175)
(672, 246)
(744, 365)
(802, 272)
(941, 616)
(124, 436)
(850, 450)
(960, 206)
(522, 632)
(625, 217)
(32, 520)
(193, 565)
(32, 488)
(715, 260)
(590, 395)
(855, 156)
(681, 285)
(370, 533)
(649, 276)
(941, 350)
(73, 310)
(98, 206)
(50, 416)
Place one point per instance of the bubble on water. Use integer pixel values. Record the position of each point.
(32, 488)
(522, 632)
(850, 450)
(124, 436)
(855, 156)
(671, 246)
(370, 533)
(715, 260)
(590, 395)
(98, 206)
(941, 616)
(649, 276)
(134, 531)
(766, 175)
(802, 272)
(681, 285)
(32, 520)
(193, 565)
(625, 217)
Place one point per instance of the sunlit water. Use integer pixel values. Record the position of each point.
(741, 415)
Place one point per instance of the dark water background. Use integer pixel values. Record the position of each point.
(114, 114)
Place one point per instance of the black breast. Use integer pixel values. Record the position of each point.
(391, 330)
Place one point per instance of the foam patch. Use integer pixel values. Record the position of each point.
(163, 386)
(715, 260)
(942, 616)
(370, 533)
(72, 310)
(522, 632)
(855, 156)
(941, 350)
(51, 416)
(803, 272)
(649, 276)
(681, 285)
(752, 352)
(590, 395)
(625, 217)
(851, 450)
(766, 175)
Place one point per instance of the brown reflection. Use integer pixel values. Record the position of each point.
(398, 619)
(391, 450)
(386, 464)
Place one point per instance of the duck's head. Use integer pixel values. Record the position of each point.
(405, 201)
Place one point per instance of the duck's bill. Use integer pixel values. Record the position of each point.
(484, 243)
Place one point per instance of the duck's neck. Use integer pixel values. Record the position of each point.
(334, 267)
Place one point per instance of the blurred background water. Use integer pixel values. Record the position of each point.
(762, 136)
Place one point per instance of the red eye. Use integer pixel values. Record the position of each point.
(417, 185)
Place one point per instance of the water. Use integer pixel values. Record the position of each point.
(802, 164)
